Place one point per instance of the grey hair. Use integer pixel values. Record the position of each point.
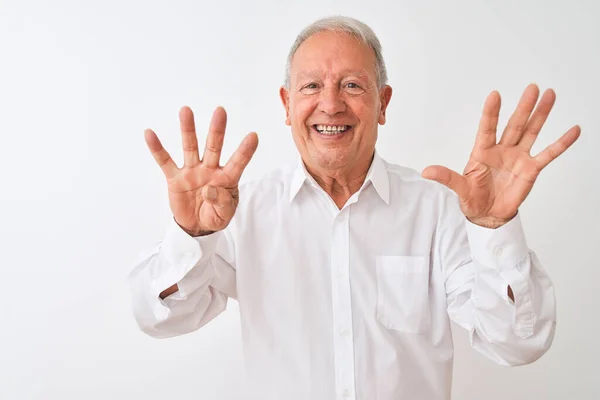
(354, 27)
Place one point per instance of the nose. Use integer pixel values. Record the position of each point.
(331, 101)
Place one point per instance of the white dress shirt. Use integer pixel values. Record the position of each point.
(353, 303)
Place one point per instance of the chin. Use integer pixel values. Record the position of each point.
(331, 158)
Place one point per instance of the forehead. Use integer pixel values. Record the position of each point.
(334, 53)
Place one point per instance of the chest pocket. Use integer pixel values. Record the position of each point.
(403, 293)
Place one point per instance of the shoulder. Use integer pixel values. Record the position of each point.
(409, 189)
(272, 185)
(410, 182)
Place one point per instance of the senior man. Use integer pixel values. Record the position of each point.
(348, 269)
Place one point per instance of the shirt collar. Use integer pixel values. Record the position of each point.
(377, 175)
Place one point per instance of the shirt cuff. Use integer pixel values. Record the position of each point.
(501, 248)
(181, 252)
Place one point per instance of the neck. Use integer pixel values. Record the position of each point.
(341, 183)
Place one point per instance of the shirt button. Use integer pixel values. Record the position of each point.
(346, 393)
(344, 332)
(498, 251)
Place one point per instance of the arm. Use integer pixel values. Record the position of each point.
(480, 265)
(184, 282)
(202, 269)
(483, 249)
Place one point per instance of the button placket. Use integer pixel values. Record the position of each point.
(342, 305)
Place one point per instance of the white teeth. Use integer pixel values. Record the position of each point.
(328, 129)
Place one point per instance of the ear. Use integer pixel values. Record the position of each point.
(285, 100)
(385, 95)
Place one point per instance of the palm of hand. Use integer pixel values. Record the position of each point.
(499, 183)
(499, 176)
(203, 196)
(188, 200)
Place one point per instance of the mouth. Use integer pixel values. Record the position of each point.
(331, 131)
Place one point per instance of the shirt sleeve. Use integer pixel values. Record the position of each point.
(204, 270)
(480, 264)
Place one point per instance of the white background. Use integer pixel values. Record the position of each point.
(81, 195)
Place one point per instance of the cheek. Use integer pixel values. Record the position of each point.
(365, 108)
(301, 109)
(363, 113)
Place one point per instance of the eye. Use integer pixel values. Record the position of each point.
(353, 88)
(310, 88)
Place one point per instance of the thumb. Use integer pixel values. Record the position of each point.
(452, 180)
(221, 199)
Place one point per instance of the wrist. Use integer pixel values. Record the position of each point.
(196, 232)
(200, 233)
(490, 222)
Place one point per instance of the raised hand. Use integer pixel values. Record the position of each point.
(499, 176)
(203, 196)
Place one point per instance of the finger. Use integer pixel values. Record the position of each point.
(221, 199)
(163, 159)
(486, 134)
(242, 156)
(188, 137)
(551, 152)
(214, 140)
(517, 122)
(452, 180)
(537, 120)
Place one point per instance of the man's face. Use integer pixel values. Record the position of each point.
(334, 104)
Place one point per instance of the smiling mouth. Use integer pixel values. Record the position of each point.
(331, 130)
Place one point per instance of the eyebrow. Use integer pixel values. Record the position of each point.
(315, 74)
